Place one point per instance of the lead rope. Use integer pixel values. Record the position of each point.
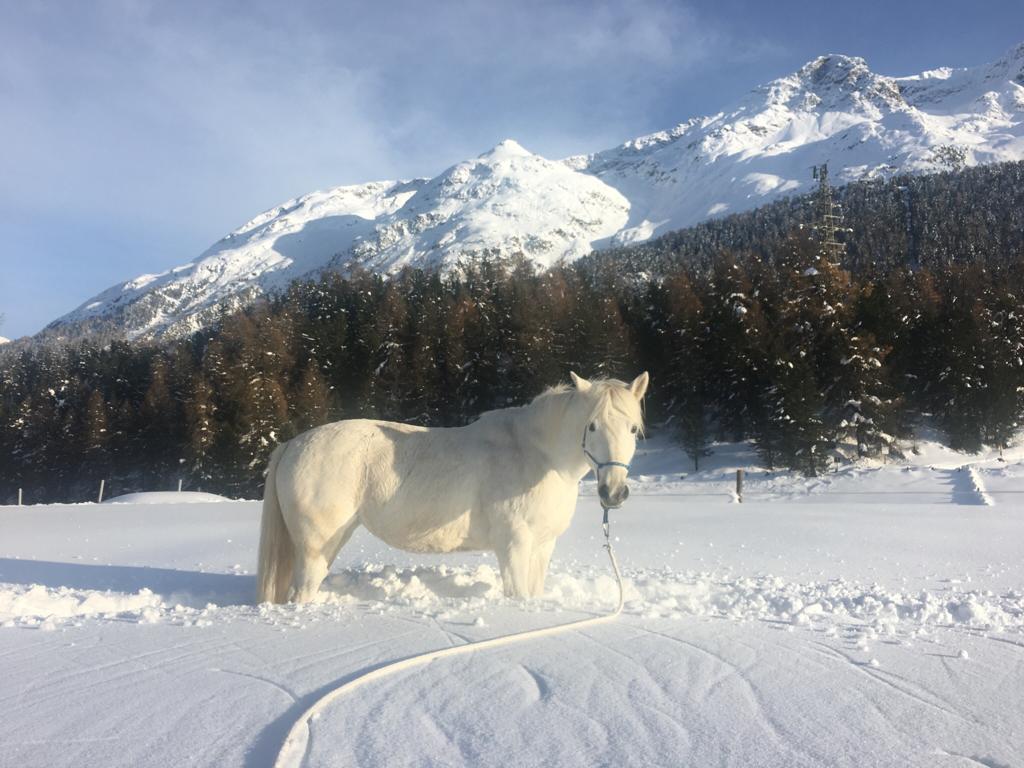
(615, 564)
(293, 750)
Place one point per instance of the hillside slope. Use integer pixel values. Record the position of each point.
(510, 202)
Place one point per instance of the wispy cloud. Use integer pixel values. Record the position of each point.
(163, 125)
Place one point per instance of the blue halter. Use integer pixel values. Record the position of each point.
(599, 465)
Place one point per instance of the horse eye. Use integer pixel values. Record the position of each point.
(633, 430)
(593, 426)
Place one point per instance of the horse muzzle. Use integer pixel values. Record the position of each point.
(613, 499)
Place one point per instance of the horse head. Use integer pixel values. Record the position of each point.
(610, 432)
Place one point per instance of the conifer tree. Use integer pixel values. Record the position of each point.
(1000, 317)
(96, 433)
(737, 360)
(200, 415)
(311, 402)
(686, 371)
(859, 407)
(158, 435)
(806, 317)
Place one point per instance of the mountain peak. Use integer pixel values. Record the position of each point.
(505, 150)
(1011, 64)
(832, 64)
(1016, 53)
(837, 73)
(833, 81)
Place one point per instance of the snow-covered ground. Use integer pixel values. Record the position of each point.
(874, 616)
(166, 497)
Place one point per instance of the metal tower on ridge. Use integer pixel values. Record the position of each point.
(829, 218)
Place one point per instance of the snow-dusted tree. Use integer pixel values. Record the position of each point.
(200, 416)
(860, 405)
(458, 358)
(422, 349)
(807, 329)
(600, 341)
(263, 416)
(1000, 319)
(684, 373)
(96, 433)
(158, 436)
(961, 385)
(735, 356)
(310, 401)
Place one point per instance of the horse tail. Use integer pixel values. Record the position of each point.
(277, 555)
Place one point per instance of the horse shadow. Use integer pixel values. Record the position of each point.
(193, 589)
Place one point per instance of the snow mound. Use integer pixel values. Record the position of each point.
(663, 594)
(442, 592)
(47, 608)
(166, 497)
(836, 601)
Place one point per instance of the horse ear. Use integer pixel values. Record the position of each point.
(639, 385)
(579, 382)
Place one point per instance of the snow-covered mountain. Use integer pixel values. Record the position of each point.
(833, 109)
(510, 201)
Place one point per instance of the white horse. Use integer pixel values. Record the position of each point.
(508, 482)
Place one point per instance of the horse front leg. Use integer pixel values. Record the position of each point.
(514, 558)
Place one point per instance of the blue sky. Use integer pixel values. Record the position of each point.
(134, 134)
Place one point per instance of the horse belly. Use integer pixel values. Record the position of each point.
(453, 534)
(420, 499)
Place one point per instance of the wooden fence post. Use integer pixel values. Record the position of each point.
(739, 485)
(100, 499)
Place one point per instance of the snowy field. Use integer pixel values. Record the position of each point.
(871, 617)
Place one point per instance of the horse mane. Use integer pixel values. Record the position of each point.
(607, 394)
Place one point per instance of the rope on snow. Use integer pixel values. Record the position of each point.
(293, 750)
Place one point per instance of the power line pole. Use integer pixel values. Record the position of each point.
(830, 218)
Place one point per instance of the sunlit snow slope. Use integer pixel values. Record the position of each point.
(511, 202)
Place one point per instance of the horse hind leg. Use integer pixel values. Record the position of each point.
(539, 562)
(310, 570)
(340, 539)
(313, 563)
